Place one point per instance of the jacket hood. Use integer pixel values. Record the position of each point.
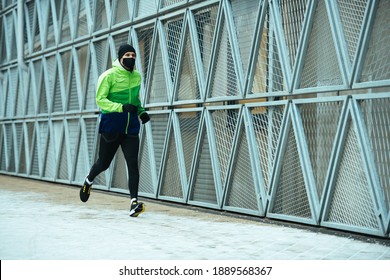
(116, 63)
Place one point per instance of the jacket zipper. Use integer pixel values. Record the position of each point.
(128, 114)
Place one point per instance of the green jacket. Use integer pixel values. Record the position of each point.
(116, 87)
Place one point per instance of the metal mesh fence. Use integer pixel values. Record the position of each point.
(351, 202)
(241, 191)
(267, 126)
(171, 185)
(224, 123)
(320, 121)
(268, 76)
(376, 64)
(269, 108)
(291, 195)
(377, 121)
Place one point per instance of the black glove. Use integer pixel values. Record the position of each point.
(129, 108)
(144, 117)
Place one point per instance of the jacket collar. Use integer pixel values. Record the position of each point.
(116, 63)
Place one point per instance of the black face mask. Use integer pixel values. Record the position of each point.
(129, 63)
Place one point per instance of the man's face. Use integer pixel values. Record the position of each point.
(126, 56)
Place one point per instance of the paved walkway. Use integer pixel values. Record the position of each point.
(46, 221)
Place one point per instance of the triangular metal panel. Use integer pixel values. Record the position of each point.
(351, 28)
(223, 80)
(147, 179)
(171, 187)
(203, 189)
(49, 68)
(321, 70)
(3, 38)
(102, 15)
(50, 155)
(10, 144)
(10, 35)
(64, 24)
(375, 66)
(63, 158)
(65, 58)
(35, 159)
(3, 92)
(3, 95)
(278, 24)
(89, 128)
(225, 128)
(20, 99)
(376, 126)
(25, 88)
(41, 88)
(242, 189)
(30, 90)
(59, 86)
(267, 122)
(292, 15)
(30, 87)
(58, 135)
(33, 29)
(91, 78)
(158, 89)
(290, 198)
(142, 39)
(320, 122)
(187, 85)
(145, 8)
(51, 35)
(3, 150)
(30, 139)
(350, 203)
(72, 102)
(72, 136)
(173, 35)
(42, 128)
(7, 87)
(83, 17)
(205, 22)
(100, 49)
(159, 127)
(244, 15)
(20, 148)
(13, 82)
(267, 71)
(82, 164)
(189, 126)
(121, 11)
(81, 56)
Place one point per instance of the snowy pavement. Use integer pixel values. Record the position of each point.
(46, 221)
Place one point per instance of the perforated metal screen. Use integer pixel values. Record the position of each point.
(276, 109)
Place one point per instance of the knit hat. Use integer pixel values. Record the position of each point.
(124, 49)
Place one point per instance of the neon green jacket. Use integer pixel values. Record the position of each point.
(116, 87)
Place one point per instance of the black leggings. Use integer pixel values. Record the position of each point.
(109, 144)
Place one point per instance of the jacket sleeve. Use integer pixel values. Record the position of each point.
(102, 91)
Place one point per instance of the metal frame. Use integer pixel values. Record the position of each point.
(41, 70)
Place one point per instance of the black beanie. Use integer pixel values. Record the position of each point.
(124, 49)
